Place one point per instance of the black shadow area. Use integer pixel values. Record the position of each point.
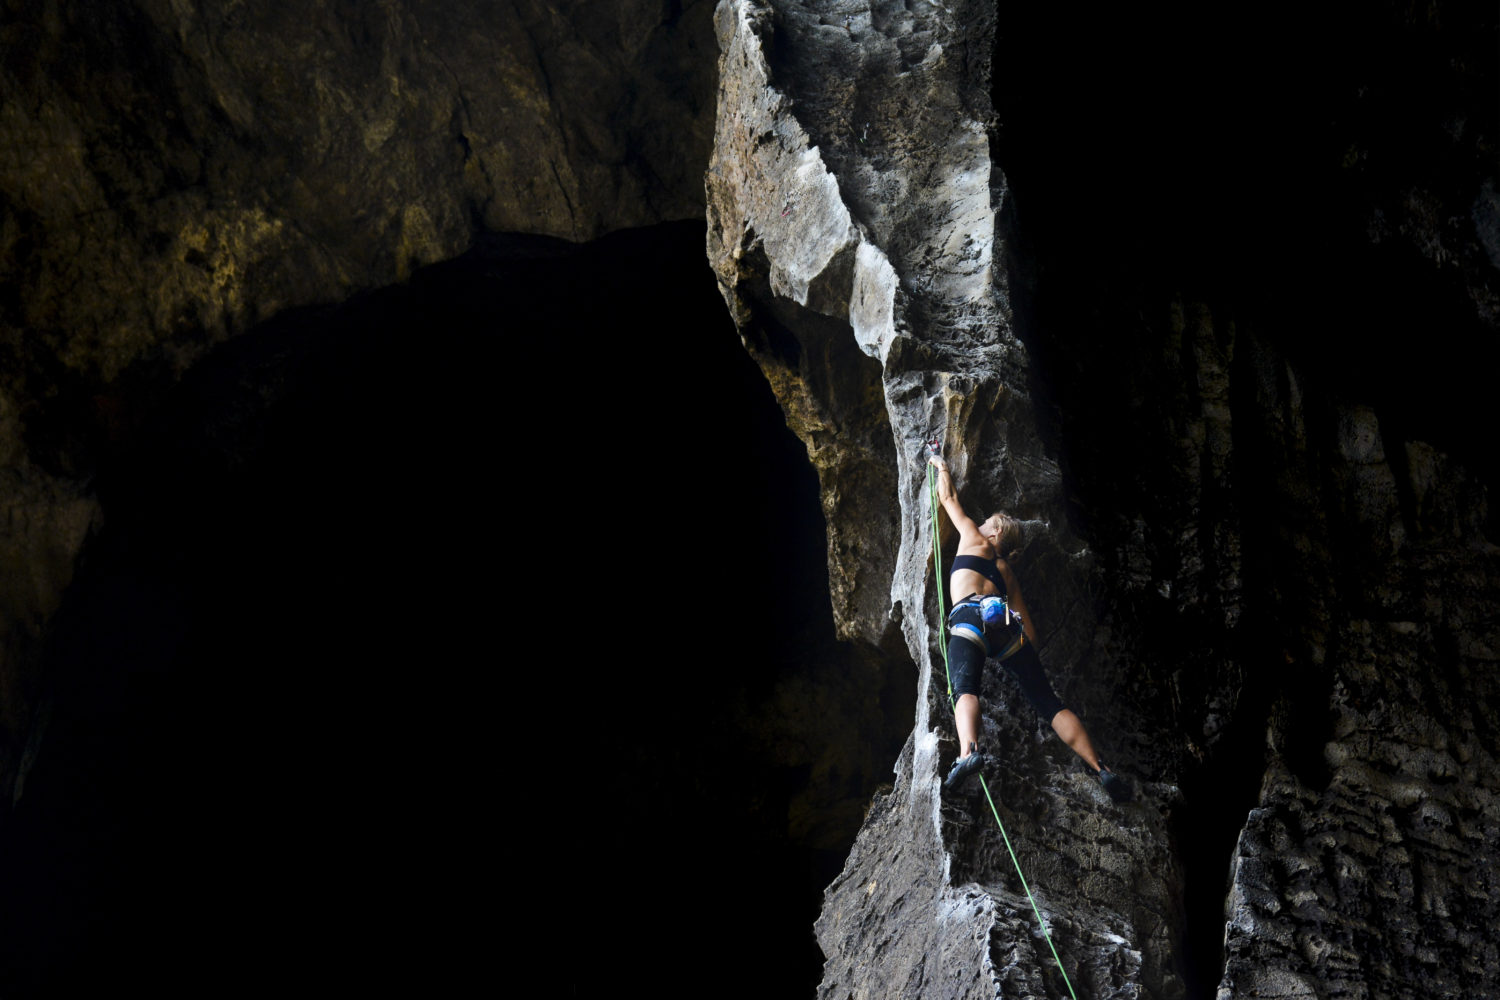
(430, 611)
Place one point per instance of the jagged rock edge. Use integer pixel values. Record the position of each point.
(814, 212)
(872, 310)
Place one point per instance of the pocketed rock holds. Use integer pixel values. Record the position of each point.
(1279, 619)
(876, 308)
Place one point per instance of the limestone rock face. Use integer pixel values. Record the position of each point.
(1367, 865)
(1269, 568)
(1326, 656)
(852, 203)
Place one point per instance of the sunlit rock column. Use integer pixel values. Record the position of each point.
(852, 211)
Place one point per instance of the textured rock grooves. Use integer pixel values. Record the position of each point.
(851, 198)
(1248, 669)
(1239, 386)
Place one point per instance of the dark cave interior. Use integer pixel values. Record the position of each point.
(1255, 163)
(277, 728)
(1221, 154)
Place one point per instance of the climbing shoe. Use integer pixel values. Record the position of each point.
(964, 766)
(1117, 787)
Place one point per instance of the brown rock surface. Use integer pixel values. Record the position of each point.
(175, 173)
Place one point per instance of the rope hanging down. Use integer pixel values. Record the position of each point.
(937, 558)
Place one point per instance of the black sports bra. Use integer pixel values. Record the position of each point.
(984, 567)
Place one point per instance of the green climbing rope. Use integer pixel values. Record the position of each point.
(937, 557)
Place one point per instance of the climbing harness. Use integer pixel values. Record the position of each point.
(992, 611)
(937, 559)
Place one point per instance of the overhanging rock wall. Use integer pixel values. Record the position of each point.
(175, 173)
(1282, 623)
(853, 223)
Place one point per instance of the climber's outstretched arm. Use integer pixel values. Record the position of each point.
(968, 531)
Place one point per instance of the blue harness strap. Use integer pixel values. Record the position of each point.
(973, 633)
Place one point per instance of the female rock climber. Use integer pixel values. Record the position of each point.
(979, 571)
